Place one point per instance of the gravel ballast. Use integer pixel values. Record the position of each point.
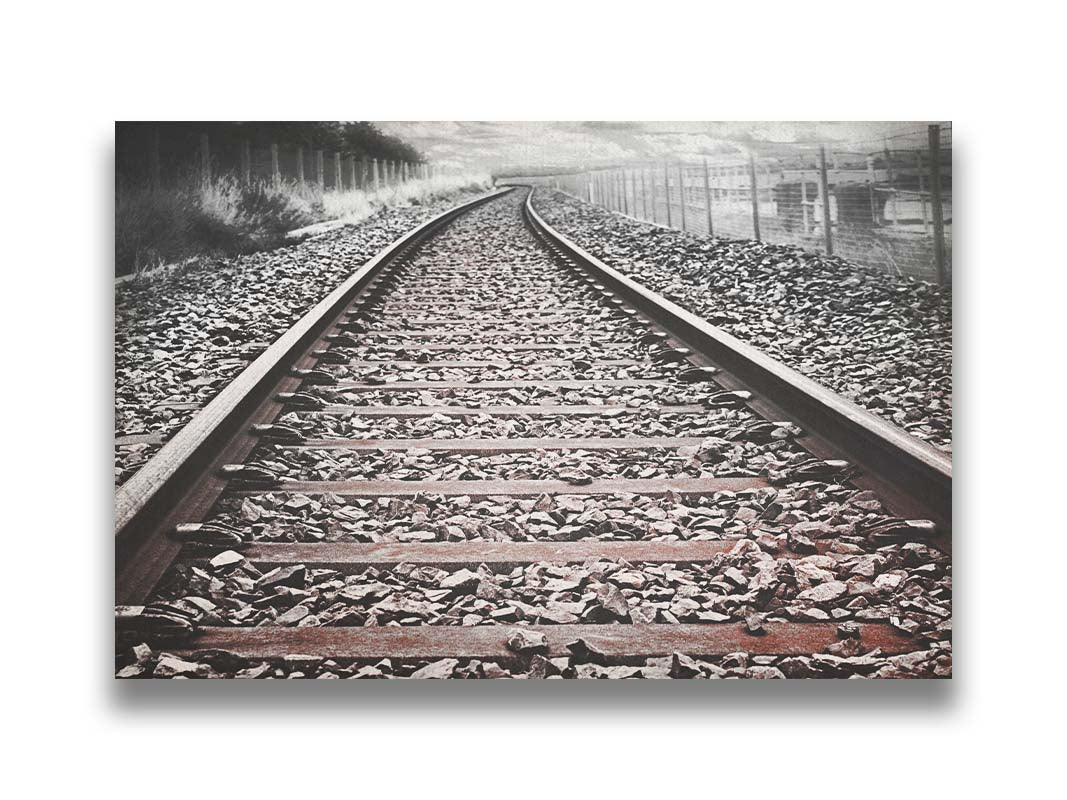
(883, 342)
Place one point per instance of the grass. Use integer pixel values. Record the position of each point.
(356, 205)
(228, 217)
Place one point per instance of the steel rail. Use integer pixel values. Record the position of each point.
(915, 477)
(182, 476)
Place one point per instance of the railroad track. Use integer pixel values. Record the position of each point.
(489, 454)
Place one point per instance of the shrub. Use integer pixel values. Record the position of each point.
(228, 217)
(152, 227)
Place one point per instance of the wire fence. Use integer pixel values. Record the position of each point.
(884, 204)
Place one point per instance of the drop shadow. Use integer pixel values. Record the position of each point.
(494, 698)
(488, 699)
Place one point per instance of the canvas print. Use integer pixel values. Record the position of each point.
(538, 400)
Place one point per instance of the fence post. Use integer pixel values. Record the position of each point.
(639, 174)
(824, 192)
(299, 164)
(889, 177)
(625, 197)
(922, 190)
(755, 195)
(374, 170)
(681, 191)
(870, 190)
(633, 190)
(154, 174)
(320, 169)
(707, 195)
(352, 171)
(804, 204)
(205, 160)
(934, 132)
(246, 161)
(645, 201)
(667, 190)
(338, 179)
(652, 191)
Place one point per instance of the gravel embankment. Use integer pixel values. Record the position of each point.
(883, 342)
(179, 339)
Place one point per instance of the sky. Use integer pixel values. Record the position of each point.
(536, 145)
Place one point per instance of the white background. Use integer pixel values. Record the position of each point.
(70, 72)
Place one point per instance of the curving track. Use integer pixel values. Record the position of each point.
(488, 454)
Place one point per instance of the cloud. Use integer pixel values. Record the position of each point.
(576, 144)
